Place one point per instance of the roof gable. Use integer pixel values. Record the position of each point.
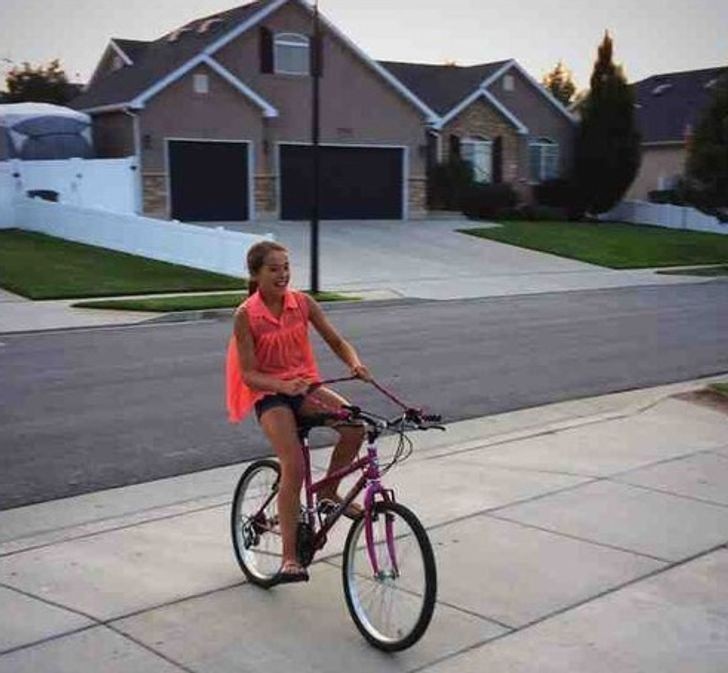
(163, 56)
(163, 61)
(668, 105)
(442, 87)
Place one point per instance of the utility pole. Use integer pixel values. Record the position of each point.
(316, 159)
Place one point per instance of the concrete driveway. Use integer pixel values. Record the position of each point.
(430, 259)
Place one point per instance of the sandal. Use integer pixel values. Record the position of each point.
(289, 574)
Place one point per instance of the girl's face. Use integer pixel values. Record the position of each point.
(275, 274)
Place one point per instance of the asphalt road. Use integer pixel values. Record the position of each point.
(92, 409)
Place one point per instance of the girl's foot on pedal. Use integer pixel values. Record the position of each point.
(291, 572)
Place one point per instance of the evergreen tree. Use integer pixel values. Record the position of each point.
(607, 155)
(560, 83)
(707, 164)
(41, 84)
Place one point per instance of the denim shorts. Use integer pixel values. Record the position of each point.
(293, 402)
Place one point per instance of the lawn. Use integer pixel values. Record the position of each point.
(198, 302)
(612, 244)
(43, 267)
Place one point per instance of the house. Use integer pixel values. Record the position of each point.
(219, 113)
(667, 109)
(496, 116)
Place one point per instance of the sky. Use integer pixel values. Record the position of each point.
(650, 36)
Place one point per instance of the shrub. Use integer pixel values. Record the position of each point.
(485, 201)
(557, 193)
(665, 196)
(448, 183)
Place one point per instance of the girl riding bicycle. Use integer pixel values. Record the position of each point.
(270, 366)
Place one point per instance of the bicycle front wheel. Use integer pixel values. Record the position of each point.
(391, 601)
(254, 521)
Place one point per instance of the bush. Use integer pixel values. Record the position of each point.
(485, 201)
(557, 193)
(448, 184)
(672, 196)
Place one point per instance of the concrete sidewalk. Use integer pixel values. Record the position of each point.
(587, 536)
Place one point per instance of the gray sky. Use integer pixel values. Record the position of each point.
(650, 36)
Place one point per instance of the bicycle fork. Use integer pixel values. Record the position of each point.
(375, 488)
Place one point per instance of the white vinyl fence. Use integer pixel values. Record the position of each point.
(199, 247)
(665, 215)
(113, 184)
(6, 196)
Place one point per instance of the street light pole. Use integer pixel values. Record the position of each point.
(315, 134)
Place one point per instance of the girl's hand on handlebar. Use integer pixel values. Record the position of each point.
(294, 387)
(361, 372)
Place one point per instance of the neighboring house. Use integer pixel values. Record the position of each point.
(219, 114)
(667, 109)
(496, 116)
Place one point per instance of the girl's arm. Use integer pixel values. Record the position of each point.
(253, 378)
(335, 341)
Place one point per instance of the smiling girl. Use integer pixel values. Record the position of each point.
(270, 365)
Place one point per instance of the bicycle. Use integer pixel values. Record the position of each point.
(388, 575)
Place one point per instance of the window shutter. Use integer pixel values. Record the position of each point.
(498, 159)
(534, 160)
(454, 147)
(266, 50)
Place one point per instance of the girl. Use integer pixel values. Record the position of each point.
(270, 365)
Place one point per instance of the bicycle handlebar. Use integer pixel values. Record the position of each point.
(412, 418)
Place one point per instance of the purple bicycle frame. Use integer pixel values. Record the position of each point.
(369, 480)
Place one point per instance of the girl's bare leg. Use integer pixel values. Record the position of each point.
(350, 437)
(279, 426)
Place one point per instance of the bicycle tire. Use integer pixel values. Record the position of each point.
(259, 563)
(356, 571)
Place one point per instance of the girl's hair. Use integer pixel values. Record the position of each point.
(256, 258)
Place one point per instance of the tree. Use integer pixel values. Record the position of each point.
(560, 83)
(607, 153)
(41, 84)
(707, 163)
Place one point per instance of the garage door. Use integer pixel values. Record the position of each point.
(357, 183)
(208, 180)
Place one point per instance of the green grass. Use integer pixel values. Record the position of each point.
(721, 388)
(612, 244)
(188, 303)
(43, 267)
(700, 271)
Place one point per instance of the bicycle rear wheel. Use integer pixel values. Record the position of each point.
(254, 522)
(393, 606)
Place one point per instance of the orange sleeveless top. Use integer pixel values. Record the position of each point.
(282, 349)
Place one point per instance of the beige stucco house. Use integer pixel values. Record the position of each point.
(667, 108)
(218, 113)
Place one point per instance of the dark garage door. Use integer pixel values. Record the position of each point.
(208, 180)
(357, 183)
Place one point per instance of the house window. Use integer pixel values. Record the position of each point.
(543, 159)
(291, 54)
(201, 83)
(479, 153)
(509, 84)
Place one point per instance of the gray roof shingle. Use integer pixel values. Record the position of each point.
(667, 104)
(157, 59)
(441, 87)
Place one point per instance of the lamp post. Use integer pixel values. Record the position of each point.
(315, 133)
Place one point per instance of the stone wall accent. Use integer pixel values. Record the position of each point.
(265, 196)
(154, 194)
(480, 119)
(417, 192)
